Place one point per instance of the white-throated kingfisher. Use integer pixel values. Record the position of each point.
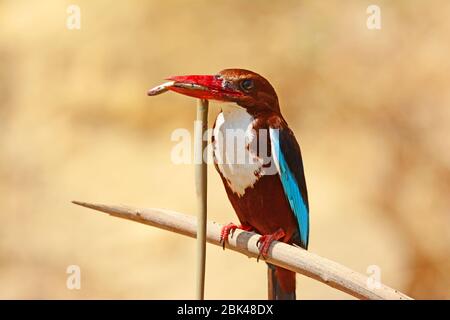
(263, 176)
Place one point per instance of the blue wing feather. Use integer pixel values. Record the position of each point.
(288, 158)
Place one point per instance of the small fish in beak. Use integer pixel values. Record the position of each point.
(160, 89)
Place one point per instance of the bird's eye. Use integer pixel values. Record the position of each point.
(247, 84)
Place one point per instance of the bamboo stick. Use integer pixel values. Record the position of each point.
(201, 180)
(289, 257)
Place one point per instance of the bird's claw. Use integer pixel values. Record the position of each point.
(228, 230)
(265, 241)
(225, 233)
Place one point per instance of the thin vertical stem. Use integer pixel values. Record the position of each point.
(201, 180)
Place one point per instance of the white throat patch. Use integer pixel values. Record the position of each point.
(236, 159)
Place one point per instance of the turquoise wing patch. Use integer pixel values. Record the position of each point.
(289, 178)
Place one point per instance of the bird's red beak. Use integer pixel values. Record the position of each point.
(200, 86)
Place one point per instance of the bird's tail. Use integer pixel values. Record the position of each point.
(281, 283)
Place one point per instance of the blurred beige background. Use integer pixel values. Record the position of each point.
(371, 109)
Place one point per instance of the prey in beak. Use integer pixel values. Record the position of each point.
(209, 87)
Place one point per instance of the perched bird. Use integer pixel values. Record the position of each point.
(263, 174)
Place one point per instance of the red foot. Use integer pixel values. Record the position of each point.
(229, 230)
(266, 240)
